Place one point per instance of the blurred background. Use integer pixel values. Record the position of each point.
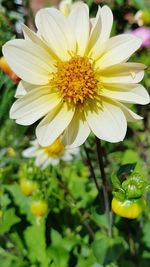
(71, 230)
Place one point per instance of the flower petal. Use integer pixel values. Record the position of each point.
(54, 124)
(107, 21)
(123, 73)
(128, 93)
(117, 50)
(95, 30)
(32, 36)
(102, 27)
(55, 30)
(29, 61)
(24, 87)
(77, 131)
(78, 19)
(34, 105)
(107, 122)
(129, 114)
(30, 152)
(41, 159)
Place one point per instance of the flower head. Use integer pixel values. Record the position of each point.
(144, 33)
(142, 17)
(76, 77)
(50, 155)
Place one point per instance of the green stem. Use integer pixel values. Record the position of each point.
(92, 170)
(104, 185)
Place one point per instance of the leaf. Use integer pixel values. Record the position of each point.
(35, 240)
(133, 156)
(115, 181)
(126, 170)
(146, 234)
(120, 2)
(100, 219)
(59, 256)
(107, 250)
(8, 220)
(21, 201)
(139, 4)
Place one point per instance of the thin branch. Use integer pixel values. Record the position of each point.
(92, 170)
(104, 184)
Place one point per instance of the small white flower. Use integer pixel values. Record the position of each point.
(50, 155)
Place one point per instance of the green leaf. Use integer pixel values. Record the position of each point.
(107, 250)
(115, 181)
(8, 220)
(59, 256)
(125, 170)
(146, 234)
(21, 201)
(139, 4)
(100, 219)
(120, 2)
(35, 240)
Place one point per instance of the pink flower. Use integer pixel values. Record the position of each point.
(144, 33)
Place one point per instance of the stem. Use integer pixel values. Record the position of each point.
(92, 170)
(104, 184)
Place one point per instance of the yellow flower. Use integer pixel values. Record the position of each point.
(11, 152)
(50, 155)
(76, 77)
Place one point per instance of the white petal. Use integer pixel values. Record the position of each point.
(30, 152)
(40, 159)
(34, 105)
(54, 124)
(47, 163)
(20, 91)
(118, 49)
(105, 21)
(54, 162)
(108, 122)
(95, 30)
(129, 114)
(67, 157)
(32, 36)
(77, 131)
(123, 73)
(29, 61)
(24, 87)
(127, 93)
(78, 19)
(55, 30)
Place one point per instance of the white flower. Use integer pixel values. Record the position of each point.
(76, 77)
(50, 155)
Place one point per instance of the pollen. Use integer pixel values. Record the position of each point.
(55, 150)
(75, 80)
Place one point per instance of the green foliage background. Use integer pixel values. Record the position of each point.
(74, 233)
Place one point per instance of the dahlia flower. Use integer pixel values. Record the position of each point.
(50, 155)
(76, 78)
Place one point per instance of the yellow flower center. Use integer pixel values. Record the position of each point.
(75, 80)
(55, 150)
